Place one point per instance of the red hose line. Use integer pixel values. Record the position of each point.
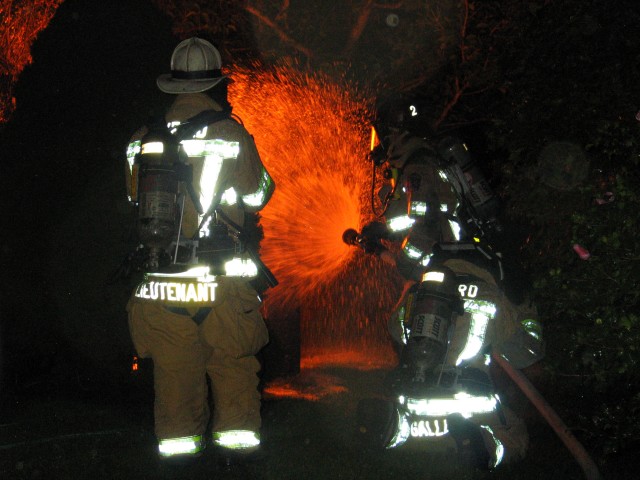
(571, 442)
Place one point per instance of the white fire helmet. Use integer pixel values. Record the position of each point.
(195, 67)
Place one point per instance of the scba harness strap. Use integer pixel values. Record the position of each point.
(473, 252)
(191, 126)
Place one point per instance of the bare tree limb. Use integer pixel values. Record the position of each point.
(358, 28)
(284, 11)
(279, 32)
(463, 31)
(457, 94)
(389, 6)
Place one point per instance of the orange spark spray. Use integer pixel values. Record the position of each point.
(20, 24)
(313, 137)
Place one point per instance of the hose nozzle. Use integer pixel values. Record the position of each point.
(350, 237)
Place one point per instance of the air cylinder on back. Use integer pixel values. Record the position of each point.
(431, 314)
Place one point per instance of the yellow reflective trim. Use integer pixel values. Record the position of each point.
(237, 439)
(202, 133)
(455, 229)
(499, 448)
(433, 276)
(132, 150)
(215, 151)
(400, 223)
(401, 317)
(429, 427)
(411, 251)
(481, 312)
(403, 432)
(374, 139)
(195, 285)
(182, 292)
(208, 180)
(199, 273)
(214, 147)
(241, 267)
(152, 147)
(258, 198)
(193, 148)
(229, 197)
(180, 446)
(533, 328)
(418, 208)
(461, 402)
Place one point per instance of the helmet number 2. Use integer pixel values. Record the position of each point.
(468, 291)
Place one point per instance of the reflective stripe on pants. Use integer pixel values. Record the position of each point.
(240, 440)
(192, 445)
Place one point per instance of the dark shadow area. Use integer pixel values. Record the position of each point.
(70, 404)
(90, 85)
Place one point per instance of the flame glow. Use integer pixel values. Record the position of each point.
(20, 24)
(313, 137)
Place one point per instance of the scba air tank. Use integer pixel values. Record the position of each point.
(157, 189)
(435, 303)
(157, 207)
(467, 177)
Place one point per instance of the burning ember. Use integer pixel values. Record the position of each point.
(20, 24)
(309, 385)
(313, 136)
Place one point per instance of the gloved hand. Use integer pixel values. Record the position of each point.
(374, 230)
(369, 239)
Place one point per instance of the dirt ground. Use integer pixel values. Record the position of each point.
(80, 432)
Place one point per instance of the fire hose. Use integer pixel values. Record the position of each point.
(587, 464)
(589, 468)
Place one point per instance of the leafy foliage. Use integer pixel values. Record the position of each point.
(567, 82)
(592, 305)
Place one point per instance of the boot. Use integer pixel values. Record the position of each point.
(468, 437)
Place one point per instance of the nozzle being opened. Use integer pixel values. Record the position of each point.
(350, 237)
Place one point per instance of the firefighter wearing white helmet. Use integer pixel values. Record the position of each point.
(198, 181)
(195, 67)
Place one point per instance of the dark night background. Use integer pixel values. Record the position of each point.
(550, 71)
(90, 84)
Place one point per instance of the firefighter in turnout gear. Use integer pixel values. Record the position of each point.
(197, 181)
(437, 225)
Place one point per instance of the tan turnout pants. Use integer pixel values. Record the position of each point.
(223, 347)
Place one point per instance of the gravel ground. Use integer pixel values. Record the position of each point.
(89, 434)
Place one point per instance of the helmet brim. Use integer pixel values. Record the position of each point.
(168, 84)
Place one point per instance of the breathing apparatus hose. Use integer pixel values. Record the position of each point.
(175, 255)
(387, 199)
(373, 193)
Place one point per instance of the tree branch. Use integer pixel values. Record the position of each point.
(389, 6)
(457, 94)
(284, 11)
(358, 28)
(463, 31)
(279, 32)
